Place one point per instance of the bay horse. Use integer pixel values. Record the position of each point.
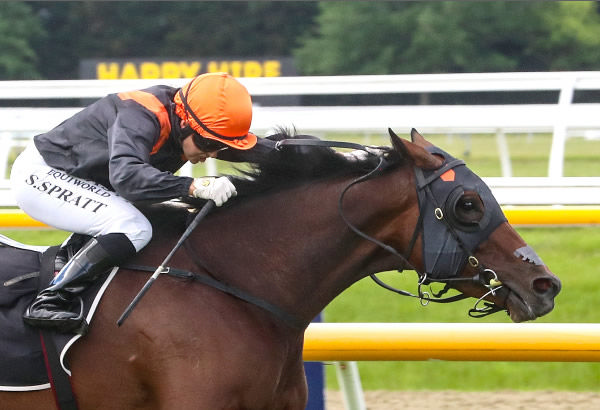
(306, 225)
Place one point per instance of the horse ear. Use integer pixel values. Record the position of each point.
(418, 139)
(398, 144)
(414, 151)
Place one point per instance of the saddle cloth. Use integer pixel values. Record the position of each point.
(22, 364)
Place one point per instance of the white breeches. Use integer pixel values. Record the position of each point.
(74, 204)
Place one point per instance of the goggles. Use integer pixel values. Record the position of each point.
(206, 144)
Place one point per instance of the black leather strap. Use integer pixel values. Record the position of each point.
(288, 318)
(319, 143)
(59, 379)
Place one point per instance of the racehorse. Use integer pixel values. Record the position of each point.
(308, 222)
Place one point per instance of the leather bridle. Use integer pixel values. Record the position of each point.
(484, 276)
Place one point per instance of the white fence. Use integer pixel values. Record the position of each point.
(18, 125)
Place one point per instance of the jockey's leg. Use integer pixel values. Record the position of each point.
(51, 308)
(68, 249)
(76, 205)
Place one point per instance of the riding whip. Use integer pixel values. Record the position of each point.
(205, 209)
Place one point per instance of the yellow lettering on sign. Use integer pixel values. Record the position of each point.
(190, 70)
(272, 68)
(107, 71)
(252, 69)
(170, 69)
(236, 68)
(186, 69)
(149, 70)
(216, 67)
(129, 72)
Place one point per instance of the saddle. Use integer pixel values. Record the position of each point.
(24, 271)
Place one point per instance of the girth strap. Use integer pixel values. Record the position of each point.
(286, 317)
(59, 380)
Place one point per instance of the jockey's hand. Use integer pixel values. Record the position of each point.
(218, 189)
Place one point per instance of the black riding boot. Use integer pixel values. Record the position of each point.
(52, 307)
(68, 250)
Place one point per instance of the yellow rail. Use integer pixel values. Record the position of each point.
(548, 342)
(540, 215)
(521, 215)
(10, 218)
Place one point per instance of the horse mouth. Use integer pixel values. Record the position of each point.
(519, 310)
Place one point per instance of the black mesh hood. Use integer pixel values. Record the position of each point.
(447, 245)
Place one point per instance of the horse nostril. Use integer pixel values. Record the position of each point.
(544, 285)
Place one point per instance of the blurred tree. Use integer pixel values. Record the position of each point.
(97, 29)
(328, 37)
(436, 37)
(19, 27)
(573, 37)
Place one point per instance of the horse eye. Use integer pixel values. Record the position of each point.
(469, 209)
(466, 205)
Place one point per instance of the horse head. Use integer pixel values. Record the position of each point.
(466, 242)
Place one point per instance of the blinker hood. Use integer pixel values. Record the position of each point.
(448, 243)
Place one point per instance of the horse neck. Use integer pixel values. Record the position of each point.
(294, 250)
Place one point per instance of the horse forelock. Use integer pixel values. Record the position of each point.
(292, 166)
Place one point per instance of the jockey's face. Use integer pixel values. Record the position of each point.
(193, 154)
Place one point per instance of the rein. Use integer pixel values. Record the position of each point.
(291, 320)
(322, 143)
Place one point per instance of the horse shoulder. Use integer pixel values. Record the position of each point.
(200, 342)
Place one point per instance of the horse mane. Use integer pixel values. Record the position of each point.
(280, 169)
(291, 166)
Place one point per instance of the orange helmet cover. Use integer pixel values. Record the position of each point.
(217, 107)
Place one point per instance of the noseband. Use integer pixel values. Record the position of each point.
(433, 194)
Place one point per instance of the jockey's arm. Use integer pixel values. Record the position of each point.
(130, 142)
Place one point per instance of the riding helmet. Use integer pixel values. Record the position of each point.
(217, 107)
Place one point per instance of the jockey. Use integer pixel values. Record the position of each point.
(84, 175)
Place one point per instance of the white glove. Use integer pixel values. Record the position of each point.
(218, 189)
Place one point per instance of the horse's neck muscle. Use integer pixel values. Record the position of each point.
(292, 248)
